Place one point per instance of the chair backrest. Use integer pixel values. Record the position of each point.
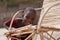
(20, 11)
(45, 12)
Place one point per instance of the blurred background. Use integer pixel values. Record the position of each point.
(9, 7)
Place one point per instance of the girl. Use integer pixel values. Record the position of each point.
(28, 18)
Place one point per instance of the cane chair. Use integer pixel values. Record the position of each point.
(36, 30)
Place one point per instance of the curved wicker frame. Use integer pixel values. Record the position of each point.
(39, 30)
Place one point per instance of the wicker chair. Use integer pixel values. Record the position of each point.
(36, 30)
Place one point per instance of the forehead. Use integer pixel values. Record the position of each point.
(30, 12)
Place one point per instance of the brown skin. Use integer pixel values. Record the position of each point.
(30, 18)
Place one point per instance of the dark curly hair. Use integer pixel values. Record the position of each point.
(29, 11)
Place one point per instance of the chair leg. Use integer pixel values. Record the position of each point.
(41, 36)
(47, 38)
(51, 36)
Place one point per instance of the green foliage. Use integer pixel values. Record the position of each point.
(17, 2)
(10, 2)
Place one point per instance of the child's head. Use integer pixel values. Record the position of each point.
(29, 14)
